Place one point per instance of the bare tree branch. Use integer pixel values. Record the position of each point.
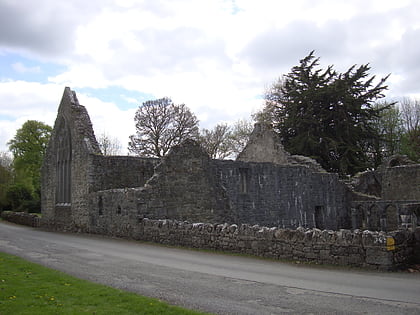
(160, 125)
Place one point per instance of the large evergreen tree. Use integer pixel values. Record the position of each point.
(327, 115)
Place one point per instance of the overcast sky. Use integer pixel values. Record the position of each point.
(216, 56)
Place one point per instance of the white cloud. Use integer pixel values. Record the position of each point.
(214, 56)
(107, 118)
(22, 101)
(21, 68)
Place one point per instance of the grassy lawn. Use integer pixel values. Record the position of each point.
(27, 288)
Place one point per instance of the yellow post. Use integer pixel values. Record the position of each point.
(390, 243)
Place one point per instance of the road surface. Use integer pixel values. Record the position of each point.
(215, 283)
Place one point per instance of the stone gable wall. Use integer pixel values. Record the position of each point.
(74, 122)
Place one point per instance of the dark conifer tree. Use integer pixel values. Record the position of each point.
(327, 115)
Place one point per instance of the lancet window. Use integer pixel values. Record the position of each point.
(63, 190)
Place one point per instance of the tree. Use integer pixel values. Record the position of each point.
(160, 125)
(5, 159)
(108, 145)
(224, 141)
(28, 148)
(389, 126)
(216, 141)
(21, 198)
(5, 181)
(410, 110)
(327, 115)
(410, 142)
(240, 133)
(6, 177)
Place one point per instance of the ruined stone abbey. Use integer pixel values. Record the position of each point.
(83, 190)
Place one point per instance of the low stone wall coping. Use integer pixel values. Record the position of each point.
(23, 218)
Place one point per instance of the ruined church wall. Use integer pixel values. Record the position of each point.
(199, 190)
(401, 183)
(111, 172)
(183, 187)
(284, 196)
(74, 129)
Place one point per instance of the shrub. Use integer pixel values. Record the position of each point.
(21, 199)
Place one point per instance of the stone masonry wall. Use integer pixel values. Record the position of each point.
(286, 196)
(22, 218)
(188, 185)
(183, 187)
(72, 130)
(358, 248)
(401, 183)
(111, 172)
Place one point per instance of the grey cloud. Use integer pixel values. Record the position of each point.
(404, 58)
(361, 40)
(280, 49)
(43, 27)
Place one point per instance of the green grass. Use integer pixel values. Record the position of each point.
(28, 288)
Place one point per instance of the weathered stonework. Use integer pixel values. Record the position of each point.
(82, 190)
(344, 247)
(22, 218)
(388, 198)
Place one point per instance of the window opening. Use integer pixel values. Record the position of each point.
(319, 217)
(63, 171)
(243, 180)
(100, 205)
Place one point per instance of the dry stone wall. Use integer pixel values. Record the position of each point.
(377, 250)
(22, 218)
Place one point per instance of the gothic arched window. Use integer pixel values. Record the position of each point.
(63, 188)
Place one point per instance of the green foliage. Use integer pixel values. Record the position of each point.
(27, 288)
(389, 126)
(28, 148)
(410, 145)
(21, 198)
(410, 142)
(5, 181)
(327, 115)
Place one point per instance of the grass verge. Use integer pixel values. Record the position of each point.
(28, 288)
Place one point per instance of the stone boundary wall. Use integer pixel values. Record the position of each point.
(378, 250)
(22, 218)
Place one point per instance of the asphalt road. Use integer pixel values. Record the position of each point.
(215, 283)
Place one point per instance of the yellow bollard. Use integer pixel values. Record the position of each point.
(390, 243)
